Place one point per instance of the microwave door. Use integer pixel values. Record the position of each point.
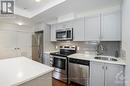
(61, 35)
(70, 34)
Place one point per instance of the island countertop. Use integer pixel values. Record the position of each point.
(18, 70)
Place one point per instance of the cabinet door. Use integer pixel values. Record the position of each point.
(114, 75)
(61, 26)
(7, 44)
(96, 74)
(92, 28)
(53, 32)
(111, 27)
(78, 29)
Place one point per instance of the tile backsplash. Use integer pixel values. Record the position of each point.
(111, 48)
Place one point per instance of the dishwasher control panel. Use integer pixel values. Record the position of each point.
(79, 61)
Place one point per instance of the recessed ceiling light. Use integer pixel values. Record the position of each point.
(37, 0)
(20, 23)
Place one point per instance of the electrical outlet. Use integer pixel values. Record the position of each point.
(56, 47)
(77, 48)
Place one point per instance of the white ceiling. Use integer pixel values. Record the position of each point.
(31, 8)
(49, 10)
(31, 5)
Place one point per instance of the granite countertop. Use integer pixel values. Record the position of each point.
(16, 71)
(91, 58)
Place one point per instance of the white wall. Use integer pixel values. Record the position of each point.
(15, 27)
(125, 36)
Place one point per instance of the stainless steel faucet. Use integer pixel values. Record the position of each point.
(100, 49)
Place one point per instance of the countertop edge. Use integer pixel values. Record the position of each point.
(122, 62)
(19, 83)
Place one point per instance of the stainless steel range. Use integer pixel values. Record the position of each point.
(59, 61)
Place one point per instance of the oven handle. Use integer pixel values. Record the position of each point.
(60, 57)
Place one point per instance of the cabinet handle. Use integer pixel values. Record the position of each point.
(17, 48)
(106, 67)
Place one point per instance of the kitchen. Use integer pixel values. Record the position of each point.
(65, 43)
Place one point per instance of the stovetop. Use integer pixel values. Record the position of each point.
(65, 51)
(61, 54)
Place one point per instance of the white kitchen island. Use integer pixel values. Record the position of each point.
(21, 71)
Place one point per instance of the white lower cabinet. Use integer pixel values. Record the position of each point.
(103, 74)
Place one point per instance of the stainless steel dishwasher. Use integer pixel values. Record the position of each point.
(78, 72)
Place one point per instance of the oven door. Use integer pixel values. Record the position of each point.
(60, 64)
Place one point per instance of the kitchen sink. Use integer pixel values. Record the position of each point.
(113, 59)
(106, 58)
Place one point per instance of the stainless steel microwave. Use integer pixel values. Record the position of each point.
(64, 34)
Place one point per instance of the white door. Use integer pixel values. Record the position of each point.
(78, 29)
(92, 28)
(111, 27)
(97, 74)
(8, 44)
(24, 44)
(114, 75)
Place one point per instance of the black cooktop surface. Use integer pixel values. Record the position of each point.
(60, 54)
(64, 52)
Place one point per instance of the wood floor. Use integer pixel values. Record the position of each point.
(59, 83)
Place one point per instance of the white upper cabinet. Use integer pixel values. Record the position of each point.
(53, 32)
(64, 25)
(92, 28)
(111, 26)
(68, 24)
(100, 27)
(78, 29)
(60, 26)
